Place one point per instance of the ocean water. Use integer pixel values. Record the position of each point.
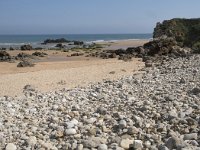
(35, 40)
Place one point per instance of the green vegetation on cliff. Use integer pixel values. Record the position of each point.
(185, 31)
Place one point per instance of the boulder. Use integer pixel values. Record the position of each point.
(22, 56)
(77, 54)
(60, 45)
(78, 42)
(25, 63)
(4, 56)
(39, 54)
(26, 47)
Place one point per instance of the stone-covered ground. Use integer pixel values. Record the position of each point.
(158, 110)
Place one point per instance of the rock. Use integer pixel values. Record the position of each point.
(25, 63)
(122, 124)
(148, 63)
(138, 144)
(70, 131)
(11, 146)
(133, 130)
(125, 57)
(191, 136)
(29, 88)
(23, 56)
(173, 143)
(79, 147)
(61, 40)
(32, 141)
(60, 45)
(39, 54)
(195, 91)
(4, 56)
(77, 54)
(91, 120)
(182, 81)
(101, 110)
(181, 30)
(89, 143)
(78, 42)
(102, 147)
(26, 47)
(126, 143)
(160, 46)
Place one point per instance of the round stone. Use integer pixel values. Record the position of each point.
(102, 147)
(11, 146)
(70, 131)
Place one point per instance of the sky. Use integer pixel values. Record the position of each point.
(90, 16)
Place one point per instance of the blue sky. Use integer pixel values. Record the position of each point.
(90, 16)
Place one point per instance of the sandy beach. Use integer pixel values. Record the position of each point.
(57, 70)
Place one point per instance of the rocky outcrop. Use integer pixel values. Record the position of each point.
(165, 46)
(26, 47)
(186, 32)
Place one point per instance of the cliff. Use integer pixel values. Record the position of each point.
(186, 32)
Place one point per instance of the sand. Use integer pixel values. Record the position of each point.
(58, 71)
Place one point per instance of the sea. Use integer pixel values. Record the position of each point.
(36, 40)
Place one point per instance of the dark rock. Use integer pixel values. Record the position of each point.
(11, 48)
(25, 63)
(112, 55)
(78, 42)
(195, 91)
(38, 48)
(4, 56)
(29, 88)
(61, 40)
(148, 63)
(136, 51)
(22, 56)
(120, 51)
(104, 55)
(3, 48)
(26, 47)
(60, 45)
(125, 57)
(39, 54)
(77, 54)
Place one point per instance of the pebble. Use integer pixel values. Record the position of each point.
(126, 143)
(70, 131)
(11, 146)
(102, 147)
